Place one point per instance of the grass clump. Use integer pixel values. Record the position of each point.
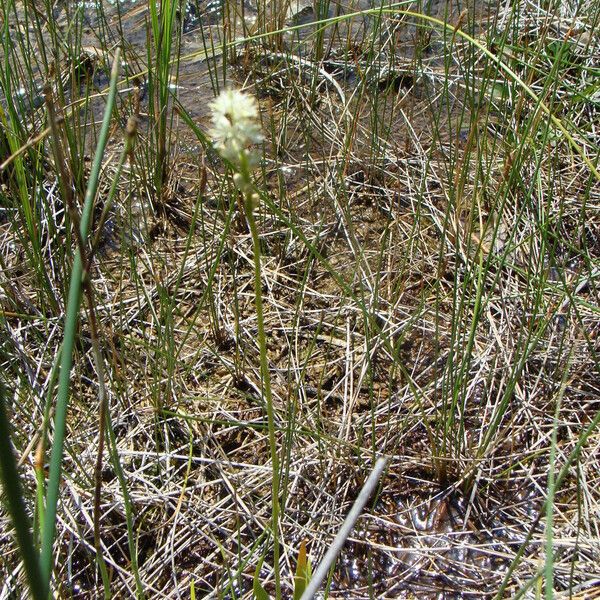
(401, 258)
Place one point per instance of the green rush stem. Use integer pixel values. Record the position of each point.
(70, 333)
(13, 494)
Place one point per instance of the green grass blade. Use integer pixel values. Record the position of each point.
(549, 566)
(16, 507)
(72, 317)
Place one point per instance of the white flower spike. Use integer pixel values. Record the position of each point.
(235, 126)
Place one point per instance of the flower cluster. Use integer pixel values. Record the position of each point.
(235, 127)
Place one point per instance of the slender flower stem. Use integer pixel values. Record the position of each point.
(266, 386)
(235, 129)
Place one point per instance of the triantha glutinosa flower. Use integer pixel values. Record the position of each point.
(235, 129)
(235, 125)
